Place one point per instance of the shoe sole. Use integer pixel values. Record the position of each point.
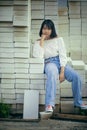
(80, 107)
(83, 108)
(49, 111)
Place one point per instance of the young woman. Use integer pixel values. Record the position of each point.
(52, 49)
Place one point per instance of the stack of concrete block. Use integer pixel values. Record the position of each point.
(37, 9)
(64, 93)
(37, 16)
(40, 10)
(84, 48)
(74, 9)
(57, 99)
(67, 44)
(6, 2)
(84, 89)
(37, 82)
(69, 61)
(66, 96)
(21, 42)
(20, 2)
(7, 86)
(84, 9)
(79, 66)
(35, 28)
(51, 9)
(78, 23)
(21, 84)
(7, 15)
(63, 23)
(14, 50)
(75, 47)
(75, 30)
(37, 77)
(85, 85)
(86, 73)
(36, 65)
(75, 26)
(7, 62)
(19, 72)
(84, 30)
(84, 25)
(63, 26)
(20, 13)
(21, 48)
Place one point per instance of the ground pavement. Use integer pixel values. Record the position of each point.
(49, 124)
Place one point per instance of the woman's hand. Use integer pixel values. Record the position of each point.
(43, 37)
(61, 76)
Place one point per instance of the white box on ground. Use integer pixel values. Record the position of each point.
(31, 102)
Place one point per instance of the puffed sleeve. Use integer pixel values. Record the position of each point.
(62, 52)
(38, 51)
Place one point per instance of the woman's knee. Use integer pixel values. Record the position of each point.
(77, 76)
(71, 74)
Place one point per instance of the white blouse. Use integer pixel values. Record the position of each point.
(52, 48)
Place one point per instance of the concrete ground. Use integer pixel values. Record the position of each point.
(49, 124)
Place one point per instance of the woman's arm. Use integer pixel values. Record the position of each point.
(43, 37)
(62, 52)
(61, 75)
(63, 58)
(38, 50)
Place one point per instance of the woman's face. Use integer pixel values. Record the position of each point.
(46, 31)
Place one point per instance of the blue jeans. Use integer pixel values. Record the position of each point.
(52, 70)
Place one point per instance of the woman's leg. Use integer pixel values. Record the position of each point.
(52, 76)
(72, 76)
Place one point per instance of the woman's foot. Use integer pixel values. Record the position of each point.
(83, 106)
(49, 108)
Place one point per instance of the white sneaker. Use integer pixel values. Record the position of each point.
(83, 106)
(49, 108)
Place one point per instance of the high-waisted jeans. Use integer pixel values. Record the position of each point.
(52, 70)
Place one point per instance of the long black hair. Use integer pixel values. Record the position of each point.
(49, 23)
